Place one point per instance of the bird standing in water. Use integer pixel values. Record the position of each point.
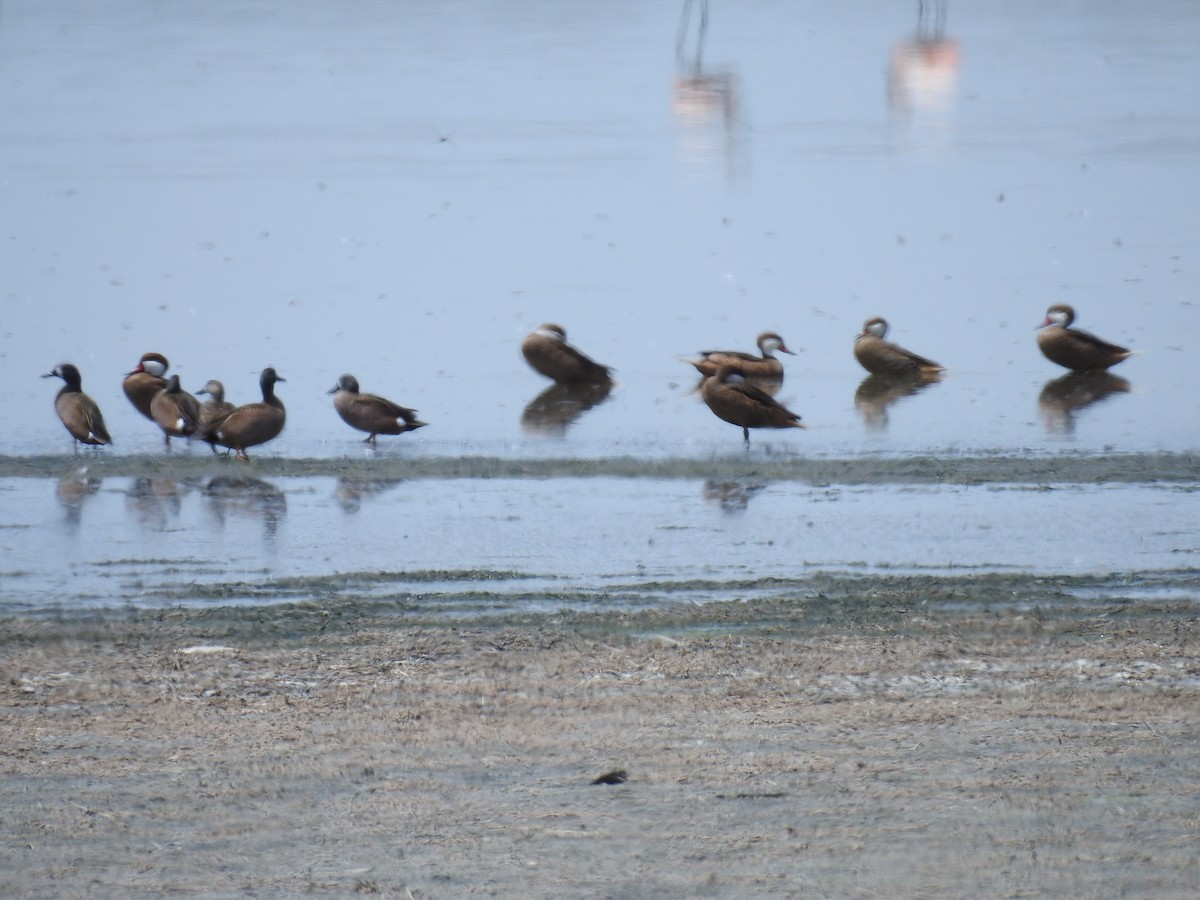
(738, 402)
(254, 423)
(175, 411)
(76, 410)
(370, 413)
(213, 412)
(142, 385)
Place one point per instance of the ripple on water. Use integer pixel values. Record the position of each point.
(443, 545)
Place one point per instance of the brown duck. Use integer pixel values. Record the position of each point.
(762, 368)
(738, 402)
(548, 352)
(370, 413)
(175, 411)
(143, 383)
(1074, 349)
(78, 412)
(213, 412)
(254, 423)
(881, 357)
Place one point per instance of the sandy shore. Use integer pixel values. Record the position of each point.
(770, 749)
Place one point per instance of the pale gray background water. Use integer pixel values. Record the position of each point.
(403, 190)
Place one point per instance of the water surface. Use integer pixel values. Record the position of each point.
(403, 191)
(445, 546)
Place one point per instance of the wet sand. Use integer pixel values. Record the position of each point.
(881, 737)
(953, 468)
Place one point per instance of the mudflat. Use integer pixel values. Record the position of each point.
(861, 746)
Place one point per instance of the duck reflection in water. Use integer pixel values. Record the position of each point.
(1063, 397)
(732, 496)
(559, 406)
(706, 102)
(155, 501)
(73, 490)
(248, 497)
(878, 392)
(923, 72)
(352, 490)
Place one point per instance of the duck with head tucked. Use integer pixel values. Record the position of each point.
(370, 413)
(175, 411)
(765, 367)
(735, 400)
(76, 410)
(548, 353)
(254, 423)
(1072, 348)
(882, 357)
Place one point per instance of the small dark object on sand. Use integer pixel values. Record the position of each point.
(616, 776)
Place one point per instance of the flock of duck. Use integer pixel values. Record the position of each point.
(737, 387)
(219, 423)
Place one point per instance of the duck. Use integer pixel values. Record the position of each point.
(254, 423)
(735, 400)
(213, 412)
(882, 357)
(175, 411)
(765, 367)
(370, 413)
(548, 353)
(1074, 349)
(78, 412)
(145, 381)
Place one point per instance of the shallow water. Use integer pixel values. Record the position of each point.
(403, 191)
(452, 546)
